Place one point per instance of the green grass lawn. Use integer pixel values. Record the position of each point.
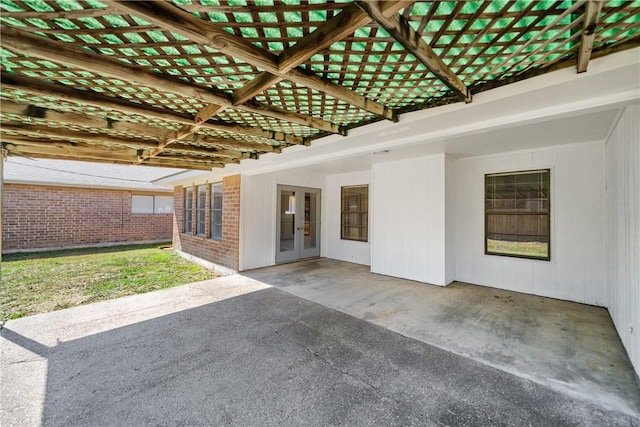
(40, 282)
(531, 249)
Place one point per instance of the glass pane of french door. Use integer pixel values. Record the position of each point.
(310, 220)
(287, 220)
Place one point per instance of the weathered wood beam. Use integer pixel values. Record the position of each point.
(49, 132)
(34, 112)
(341, 25)
(19, 152)
(66, 93)
(26, 139)
(202, 116)
(64, 53)
(175, 19)
(45, 132)
(589, 26)
(88, 152)
(401, 31)
(74, 151)
(334, 29)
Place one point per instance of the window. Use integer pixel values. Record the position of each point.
(201, 209)
(517, 214)
(141, 204)
(151, 204)
(163, 204)
(188, 210)
(354, 222)
(216, 211)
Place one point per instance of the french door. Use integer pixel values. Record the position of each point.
(298, 228)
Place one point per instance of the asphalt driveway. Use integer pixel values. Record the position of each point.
(233, 351)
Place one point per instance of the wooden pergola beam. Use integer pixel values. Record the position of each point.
(66, 93)
(64, 53)
(404, 34)
(589, 26)
(25, 134)
(175, 19)
(34, 112)
(338, 27)
(89, 152)
(27, 139)
(20, 152)
(334, 29)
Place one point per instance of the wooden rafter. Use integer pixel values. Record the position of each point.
(15, 132)
(65, 53)
(80, 150)
(209, 34)
(26, 139)
(94, 99)
(104, 157)
(402, 32)
(346, 22)
(589, 26)
(35, 147)
(233, 148)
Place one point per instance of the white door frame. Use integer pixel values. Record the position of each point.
(298, 251)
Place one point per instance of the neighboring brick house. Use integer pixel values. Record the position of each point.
(62, 204)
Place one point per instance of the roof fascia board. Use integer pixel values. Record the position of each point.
(94, 187)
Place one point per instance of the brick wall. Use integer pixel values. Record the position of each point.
(41, 217)
(224, 252)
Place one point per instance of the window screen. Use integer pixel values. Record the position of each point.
(517, 214)
(201, 209)
(188, 210)
(216, 211)
(354, 222)
(141, 204)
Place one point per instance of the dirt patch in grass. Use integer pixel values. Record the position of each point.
(40, 282)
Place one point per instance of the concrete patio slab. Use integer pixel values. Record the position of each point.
(569, 347)
(234, 351)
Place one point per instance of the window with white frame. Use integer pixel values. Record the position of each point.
(188, 210)
(216, 211)
(145, 204)
(201, 209)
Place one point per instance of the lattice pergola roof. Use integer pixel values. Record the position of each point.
(202, 83)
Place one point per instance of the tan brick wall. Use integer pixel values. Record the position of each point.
(224, 252)
(41, 217)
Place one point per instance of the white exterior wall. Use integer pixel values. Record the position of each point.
(332, 245)
(623, 233)
(408, 219)
(258, 214)
(576, 271)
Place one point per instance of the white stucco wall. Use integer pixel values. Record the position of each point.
(623, 231)
(332, 245)
(258, 214)
(576, 271)
(408, 219)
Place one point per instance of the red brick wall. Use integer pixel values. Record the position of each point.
(224, 252)
(41, 217)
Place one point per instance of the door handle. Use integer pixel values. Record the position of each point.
(299, 228)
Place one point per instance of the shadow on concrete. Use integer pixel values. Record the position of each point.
(270, 358)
